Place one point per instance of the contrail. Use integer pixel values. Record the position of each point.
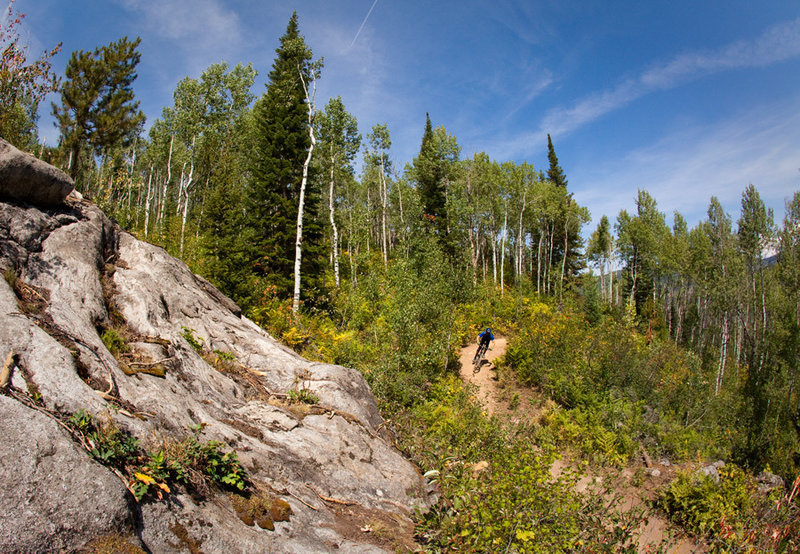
(363, 23)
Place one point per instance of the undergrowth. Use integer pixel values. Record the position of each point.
(731, 514)
(189, 462)
(497, 493)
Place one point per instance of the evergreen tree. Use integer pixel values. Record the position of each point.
(554, 173)
(567, 226)
(430, 178)
(97, 101)
(281, 145)
(434, 169)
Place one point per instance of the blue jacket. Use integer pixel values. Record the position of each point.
(486, 339)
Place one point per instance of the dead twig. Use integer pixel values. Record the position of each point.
(301, 500)
(328, 499)
(150, 364)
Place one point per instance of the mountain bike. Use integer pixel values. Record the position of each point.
(477, 361)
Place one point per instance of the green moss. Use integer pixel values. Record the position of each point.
(115, 342)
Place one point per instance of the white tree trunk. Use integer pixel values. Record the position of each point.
(335, 231)
(723, 354)
(186, 186)
(494, 259)
(503, 251)
(384, 194)
(564, 259)
(539, 263)
(147, 200)
(160, 219)
(519, 267)
(298, 245)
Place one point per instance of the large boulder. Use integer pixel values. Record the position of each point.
(25, 178)
(73, 274)
(52, 494)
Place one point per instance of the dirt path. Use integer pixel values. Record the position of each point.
(485, 379)
(514, 402)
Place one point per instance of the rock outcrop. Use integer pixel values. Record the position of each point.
(25, 178)
(70, 275)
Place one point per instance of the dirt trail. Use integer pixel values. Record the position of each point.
(485, 379)
(514, 402)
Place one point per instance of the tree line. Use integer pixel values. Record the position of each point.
(260, 193)
(730, 292)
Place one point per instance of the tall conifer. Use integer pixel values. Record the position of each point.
(554, 173)
(430, 176)
(280, 148)
(97, 101)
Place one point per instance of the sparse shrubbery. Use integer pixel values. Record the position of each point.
(732, 514)
(497, 491)
(188, 462)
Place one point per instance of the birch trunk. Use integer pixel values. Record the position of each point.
(334, 230)
(519, 237)
(185, 186)
(723, 351)
(564, 258)
(384, 194)
(163, 200)
(147, 200)
(539, 263)
(298, 245)
(494, 260)
(503, 251)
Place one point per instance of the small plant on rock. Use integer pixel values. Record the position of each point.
(194, 342)
(301, 392)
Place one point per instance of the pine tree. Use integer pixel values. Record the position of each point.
(567, 235)
(281, 145)
(97, 101)
(430, 177)
(554, 173)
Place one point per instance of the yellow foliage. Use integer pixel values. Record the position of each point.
(295, 337)
(144, 478)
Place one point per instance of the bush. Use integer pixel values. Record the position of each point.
(732, 514)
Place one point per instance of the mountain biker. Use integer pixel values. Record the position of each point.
(483, 342)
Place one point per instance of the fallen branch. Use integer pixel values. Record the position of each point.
(301, 500)
(328, 499)
(150, 364)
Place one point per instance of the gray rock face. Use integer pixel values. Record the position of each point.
(86, 273)
(52, 494)
(25, 178)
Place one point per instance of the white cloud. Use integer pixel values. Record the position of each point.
(779, 43)
(205, 31)
(685, 169)
(177, 19)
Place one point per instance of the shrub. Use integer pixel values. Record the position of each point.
(497, 491)
(732, 514)
(106, 442)
(195, 342)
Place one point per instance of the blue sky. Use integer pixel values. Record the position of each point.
(685, 99)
